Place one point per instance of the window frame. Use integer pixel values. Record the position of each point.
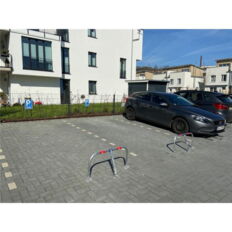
(37, 43)
(91, 64)
(62, 36)
(179, 81)
(90, 33)
(63, 60)
(122, 72)
(94, 92)
(211, 80)
(222, 78)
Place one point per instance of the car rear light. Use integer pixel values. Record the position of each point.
(220, 106)
(125, 99)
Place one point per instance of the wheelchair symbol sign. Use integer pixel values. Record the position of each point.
(28, 105)
(87, 103)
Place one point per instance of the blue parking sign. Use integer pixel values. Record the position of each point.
(28, 104)
(87, 103)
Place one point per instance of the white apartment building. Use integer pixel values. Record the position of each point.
(59, 66)
(181, 77)
(218, 78)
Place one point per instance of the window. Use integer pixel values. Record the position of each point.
(224, 65)
(144, 96)
(213, 78)
(122, 68)
(158, 100)
(171, 82)
(65, 60)
(92, 59)
(92, 87)
(92, 33)
(64, 34)
(224, 78)
(195, 97)
(37, 54)
(185, 70)
(179, 81)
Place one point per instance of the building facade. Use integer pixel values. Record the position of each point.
(218, 78)
(181, 77)
(59, 66)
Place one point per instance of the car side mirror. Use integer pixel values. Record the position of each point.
(163, 104)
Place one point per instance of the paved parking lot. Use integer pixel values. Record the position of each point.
(46, 161)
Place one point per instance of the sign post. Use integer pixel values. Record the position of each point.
(28, 104)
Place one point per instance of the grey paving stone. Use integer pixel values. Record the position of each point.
(49, 161)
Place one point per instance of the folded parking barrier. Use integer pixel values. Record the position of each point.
(110, 153)
(183, 138)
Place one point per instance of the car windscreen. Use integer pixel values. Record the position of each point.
(178, 100)
(225, 99)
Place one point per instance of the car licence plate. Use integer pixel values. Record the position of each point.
(220, 128)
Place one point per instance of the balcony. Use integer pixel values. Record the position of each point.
(5, 62)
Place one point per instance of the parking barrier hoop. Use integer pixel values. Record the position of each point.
(188, 142)
(110, 153)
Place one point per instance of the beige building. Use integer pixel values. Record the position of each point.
(181, 77)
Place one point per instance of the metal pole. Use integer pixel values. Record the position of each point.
(113, 103)
(131, 52)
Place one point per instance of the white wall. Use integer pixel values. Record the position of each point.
(218, 71)
(45, 89)
(15, 49)
(187, 81)
(110, 46)
(159, 77)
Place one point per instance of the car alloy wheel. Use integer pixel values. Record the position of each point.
(180, 125)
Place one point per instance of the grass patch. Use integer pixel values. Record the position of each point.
(53, 111)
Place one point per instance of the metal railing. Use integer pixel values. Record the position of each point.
(49, 106)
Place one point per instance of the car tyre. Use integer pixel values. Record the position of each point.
(130, 113)
(180, 125)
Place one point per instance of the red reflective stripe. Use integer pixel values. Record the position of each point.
(188, 133)
(180, 134)
(119, 148)
(102, 152)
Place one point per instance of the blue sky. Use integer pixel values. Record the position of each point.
(177, 47)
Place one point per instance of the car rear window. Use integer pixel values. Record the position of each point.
(178, 100)
(225, 99)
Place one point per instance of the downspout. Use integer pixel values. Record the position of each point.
(131, 52)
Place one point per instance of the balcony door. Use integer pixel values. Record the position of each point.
(65, 91)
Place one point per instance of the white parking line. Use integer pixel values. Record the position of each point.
(103, 139)
(2, 157)
(141, 126)
(8, 174)
(78, 127)
(68, 123)
(83, 130)
(5, 165)
(157, 130)
(166, 133)
(73, 125)
(96, 136)
(12, 186)
(0, 150)
(112, 144)
(134, 124)
(133, 154)
(149, 128)
(90, 133)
